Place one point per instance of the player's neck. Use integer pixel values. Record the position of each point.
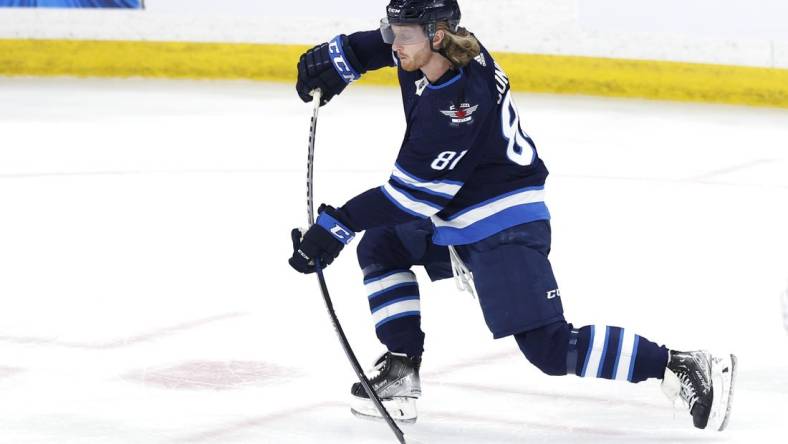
(436, 67)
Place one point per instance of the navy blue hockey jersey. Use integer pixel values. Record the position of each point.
(465, 161)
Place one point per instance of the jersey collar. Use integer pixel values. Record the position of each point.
(447, 79)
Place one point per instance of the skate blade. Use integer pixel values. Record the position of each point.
(402, 410)
(724, 377)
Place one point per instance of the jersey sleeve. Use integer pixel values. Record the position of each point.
(432, 167)
(370, 49)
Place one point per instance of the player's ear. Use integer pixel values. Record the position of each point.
(437, 41)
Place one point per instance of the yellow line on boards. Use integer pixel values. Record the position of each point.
(274, 62)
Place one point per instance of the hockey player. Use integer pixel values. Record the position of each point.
(466, 195)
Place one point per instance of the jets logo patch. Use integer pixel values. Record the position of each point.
(460, 114)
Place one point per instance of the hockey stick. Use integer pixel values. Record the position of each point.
(316, 95)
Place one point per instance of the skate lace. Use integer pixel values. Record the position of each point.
(463, 277)
(687, 392)
(377, 371)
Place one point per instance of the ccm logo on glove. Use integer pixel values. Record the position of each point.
(323, 241)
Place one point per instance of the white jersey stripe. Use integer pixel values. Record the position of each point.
(595, 357)
(375, 287)
(474, 215)
(627, 346)
(392, 310)
(410, 204)
(441, 188)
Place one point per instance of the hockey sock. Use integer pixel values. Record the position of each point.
(599, 351)
(394, 302)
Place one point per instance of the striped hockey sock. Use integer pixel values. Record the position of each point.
(394, 302)
(599, 351)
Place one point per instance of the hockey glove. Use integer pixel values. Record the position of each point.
(323, 241)
(330, 67)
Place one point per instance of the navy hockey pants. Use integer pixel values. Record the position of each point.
(518, 295)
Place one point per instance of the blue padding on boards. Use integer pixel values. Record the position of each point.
(127, 4)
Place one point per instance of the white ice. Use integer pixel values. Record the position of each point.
(146, 298)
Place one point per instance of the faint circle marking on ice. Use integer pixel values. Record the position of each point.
(211, 375)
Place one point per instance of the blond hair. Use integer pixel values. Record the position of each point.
(459, 46)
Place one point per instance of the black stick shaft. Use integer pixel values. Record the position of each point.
(310, 161)
(324, 288)
(352, 357)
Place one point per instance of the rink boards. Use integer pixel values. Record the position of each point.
(652, 79)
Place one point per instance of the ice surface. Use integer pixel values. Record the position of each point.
(146, 296)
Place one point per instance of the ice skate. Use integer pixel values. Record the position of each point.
(704, 385)
(397, 384)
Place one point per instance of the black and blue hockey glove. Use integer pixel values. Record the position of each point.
(323, 241)
(330, 66)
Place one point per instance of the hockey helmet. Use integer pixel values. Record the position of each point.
(427, 13)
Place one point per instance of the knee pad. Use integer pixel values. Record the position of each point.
(546, 347)
(381, 247)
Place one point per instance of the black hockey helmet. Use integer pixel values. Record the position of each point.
(423, 12)
(427, 13)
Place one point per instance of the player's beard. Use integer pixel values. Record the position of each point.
(414, 62)
(408, 65)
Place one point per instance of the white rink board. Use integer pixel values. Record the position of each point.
(561, 27)
(147, 298)
(733, 19)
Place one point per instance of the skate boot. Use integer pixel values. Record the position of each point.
(396, 381)
(704, 385)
